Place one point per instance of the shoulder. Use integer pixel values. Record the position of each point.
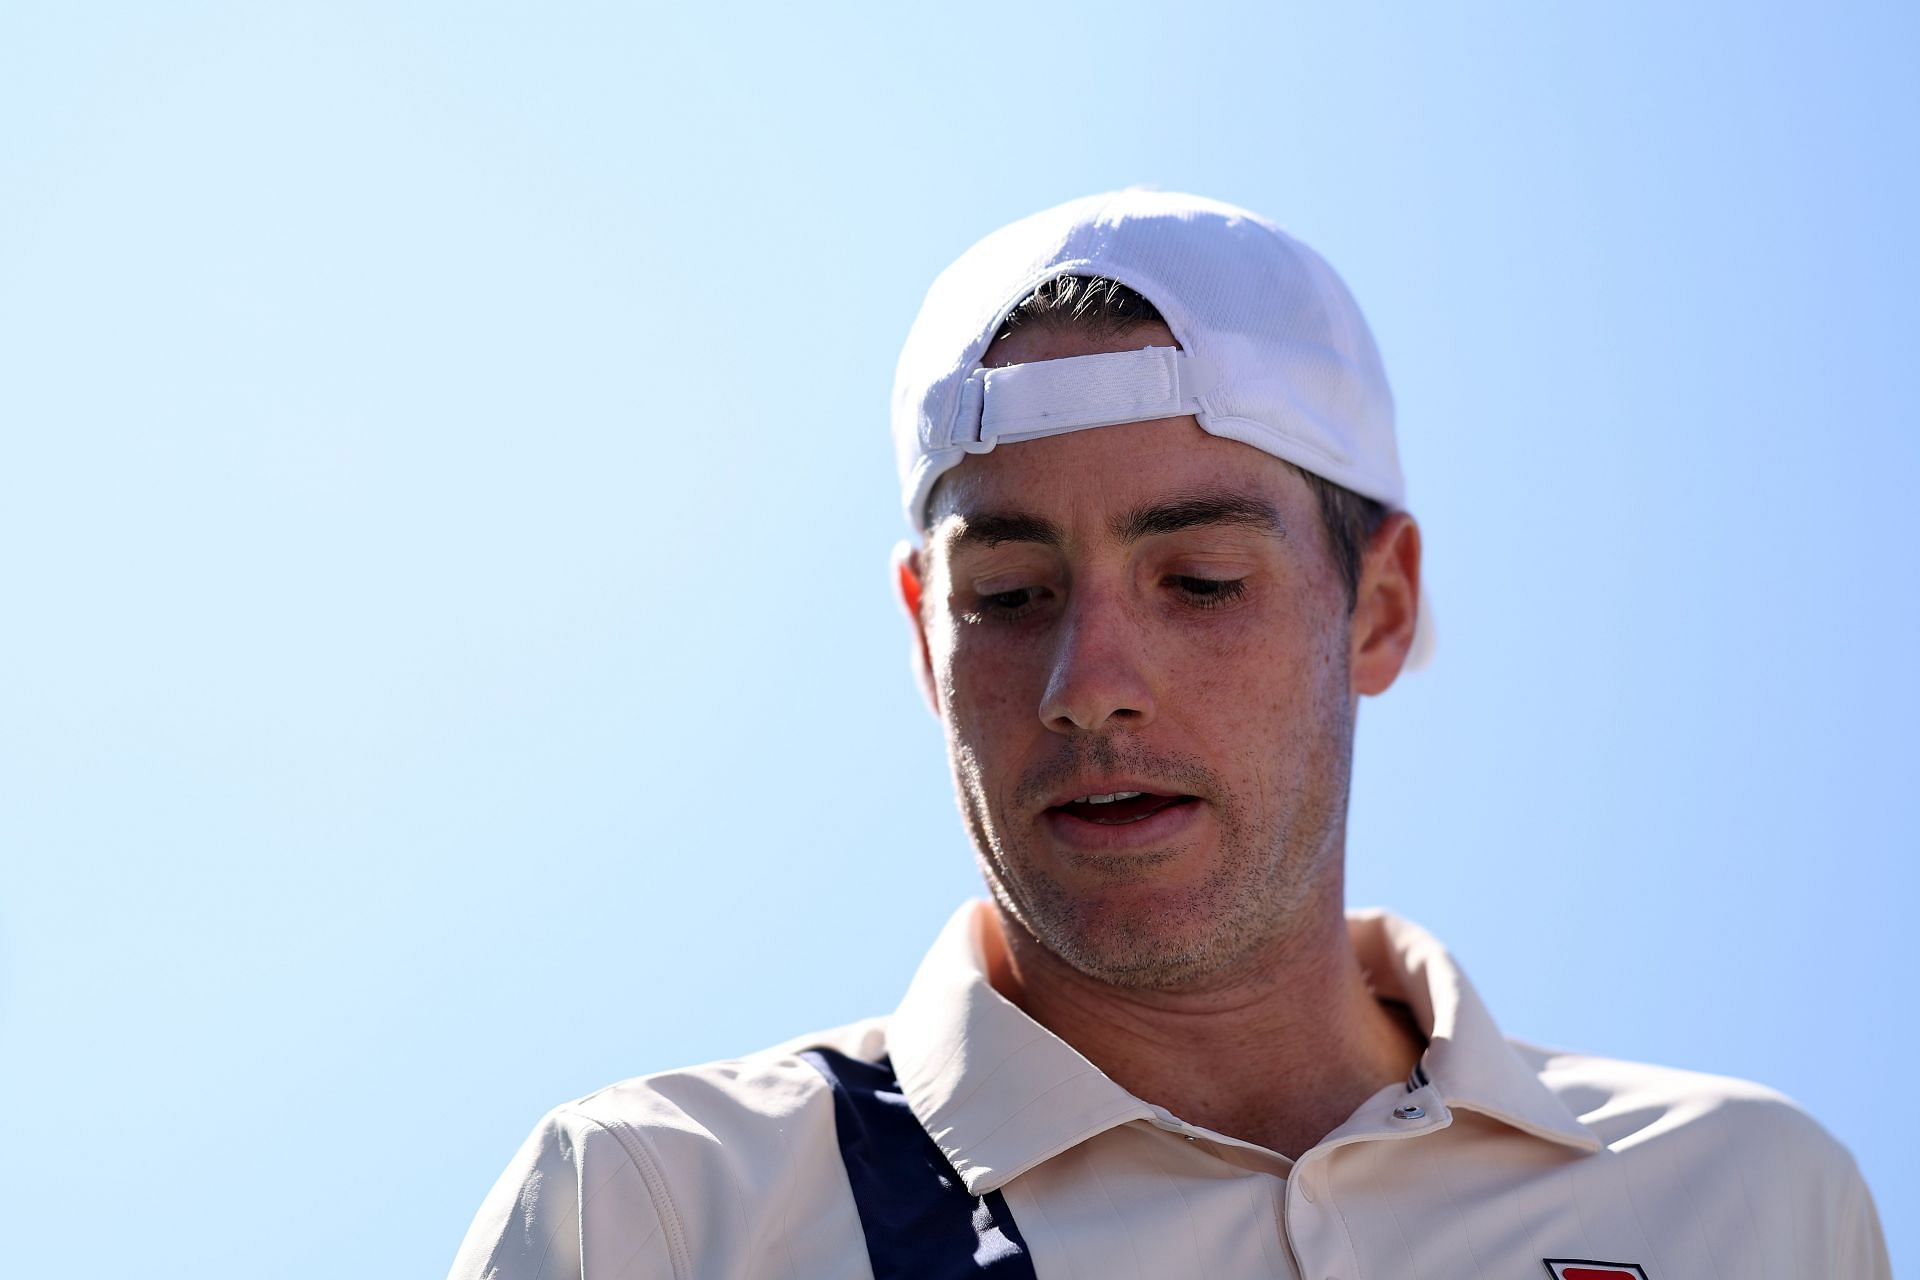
(688, 1167)
(1728, 1146)
(724, 1100)
(1629, 1104)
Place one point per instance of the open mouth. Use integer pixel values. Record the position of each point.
(1117, 808)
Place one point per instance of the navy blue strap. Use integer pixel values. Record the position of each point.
(919, 1220)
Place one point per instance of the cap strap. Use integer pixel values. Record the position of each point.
(1050, 397)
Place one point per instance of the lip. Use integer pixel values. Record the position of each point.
(1106, 787)
(1095, 837)
(1145, 833)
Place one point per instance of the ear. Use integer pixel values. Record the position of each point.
(909, 579)
(1386, 605)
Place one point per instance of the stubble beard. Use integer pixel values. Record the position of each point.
(1279, 855)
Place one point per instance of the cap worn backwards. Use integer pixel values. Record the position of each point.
(1273, 350)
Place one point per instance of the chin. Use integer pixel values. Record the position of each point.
(1129, 939)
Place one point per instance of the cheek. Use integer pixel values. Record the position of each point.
(1260, 680)
(989, 686)
(988, 690)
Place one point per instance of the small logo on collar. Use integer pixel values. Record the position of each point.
(1588, 1269)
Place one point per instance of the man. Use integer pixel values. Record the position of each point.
(1148, 444)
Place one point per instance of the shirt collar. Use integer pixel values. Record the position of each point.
(1469, 1063)
(999, 1093)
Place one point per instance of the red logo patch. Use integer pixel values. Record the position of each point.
(1588, 1269)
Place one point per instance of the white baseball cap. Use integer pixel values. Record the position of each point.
(1273, 350)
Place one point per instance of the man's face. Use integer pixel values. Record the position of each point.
(1141, 609)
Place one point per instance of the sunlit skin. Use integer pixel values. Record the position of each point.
(1146, 607)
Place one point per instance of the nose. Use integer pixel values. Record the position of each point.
(1099, 678)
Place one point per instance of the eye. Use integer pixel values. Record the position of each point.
(1005, 606)
(1209, 593)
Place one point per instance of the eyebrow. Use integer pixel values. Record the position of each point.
(1168, 515)
(991, 528)
(1192, 510)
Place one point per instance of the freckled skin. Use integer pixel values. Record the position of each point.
(1248, 706)
(1206, 965)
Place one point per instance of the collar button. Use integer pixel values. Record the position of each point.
(1409, 1111)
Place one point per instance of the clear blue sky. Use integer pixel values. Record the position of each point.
(446, 498)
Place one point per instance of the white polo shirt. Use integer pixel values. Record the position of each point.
(1497, 1159)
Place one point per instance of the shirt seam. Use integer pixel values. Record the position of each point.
(634, 1143)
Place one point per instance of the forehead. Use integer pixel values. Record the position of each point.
(1092, 476)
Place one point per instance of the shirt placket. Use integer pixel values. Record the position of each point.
(1316, 1231)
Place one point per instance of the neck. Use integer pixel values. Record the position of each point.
(1279, 1052)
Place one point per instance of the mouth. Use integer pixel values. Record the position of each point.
(1119, 808)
